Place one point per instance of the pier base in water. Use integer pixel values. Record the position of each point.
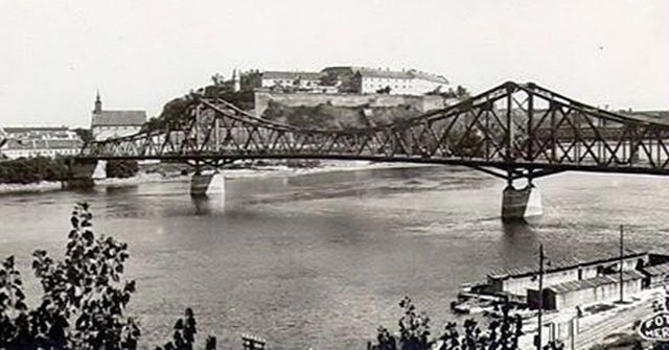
(80, 174)
(100, 170)
(199, 184)
(520, 204)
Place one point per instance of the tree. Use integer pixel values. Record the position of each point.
(329, 79)
(350, 83)
(83, 301)
(386, 90)
(217, 79)
(461, 92)
(250, 80)
(84, 134)
(36, 169)
(121, 168)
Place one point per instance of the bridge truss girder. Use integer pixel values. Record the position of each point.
(520, 130)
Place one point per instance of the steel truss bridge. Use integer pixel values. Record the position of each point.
(511, 131)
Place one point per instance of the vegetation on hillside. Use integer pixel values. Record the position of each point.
(174, 111)
(460, 93)
(327, 116)
(84, 134)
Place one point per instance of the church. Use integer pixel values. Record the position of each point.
(106, 124)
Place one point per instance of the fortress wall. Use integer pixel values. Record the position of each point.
(422, 103)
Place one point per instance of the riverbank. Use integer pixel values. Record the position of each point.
(245, 172)
(599, 327)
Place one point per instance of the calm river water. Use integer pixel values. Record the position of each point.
(322, 260)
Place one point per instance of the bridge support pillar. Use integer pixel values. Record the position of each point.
(199, 184)
(100, 170)
(520, 204)
(80, 174)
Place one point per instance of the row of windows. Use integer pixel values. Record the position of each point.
(271, 82)
(386, 79)
(381, 86)
(35, 153)
(116, 127)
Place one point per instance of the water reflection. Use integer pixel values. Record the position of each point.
(202, 205)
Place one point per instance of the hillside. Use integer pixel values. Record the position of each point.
(326, 116)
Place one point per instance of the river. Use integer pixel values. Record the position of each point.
(321, 260)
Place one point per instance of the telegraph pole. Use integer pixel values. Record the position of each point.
(541, 294)
(622, 261)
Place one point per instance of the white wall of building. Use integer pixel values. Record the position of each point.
(111, 131)
(399, 86)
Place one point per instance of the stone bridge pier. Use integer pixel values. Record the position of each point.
(200, 183)
(522, 203)
(80, 174)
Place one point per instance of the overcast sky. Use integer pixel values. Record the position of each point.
(140, 54)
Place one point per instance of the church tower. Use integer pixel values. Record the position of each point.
(236, 81)
(98, 103)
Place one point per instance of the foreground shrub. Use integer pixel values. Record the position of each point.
(83, 298)
(414, 333)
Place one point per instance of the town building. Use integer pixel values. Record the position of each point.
(577, 293)
(3, 137)
(28, 142)
(517, 280)
(354, 79)
(656, 275)
(107, 124)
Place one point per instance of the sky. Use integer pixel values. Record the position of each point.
(141, 54)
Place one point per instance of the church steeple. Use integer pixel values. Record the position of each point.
(98, 103)
(236, 81)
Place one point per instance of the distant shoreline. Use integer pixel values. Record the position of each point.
(238, 173)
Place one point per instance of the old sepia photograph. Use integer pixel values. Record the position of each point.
(334, 175)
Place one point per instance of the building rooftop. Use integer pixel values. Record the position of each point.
(27, 129)
(657, 270)
(380, 73)
(659, 117)
(554, 265)
(118, 118)
(291, 75)
(391, 74)
(573, 286)
(436, 78)
(14, 144)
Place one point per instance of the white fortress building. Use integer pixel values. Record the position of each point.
(361, 80)
(404, 82)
